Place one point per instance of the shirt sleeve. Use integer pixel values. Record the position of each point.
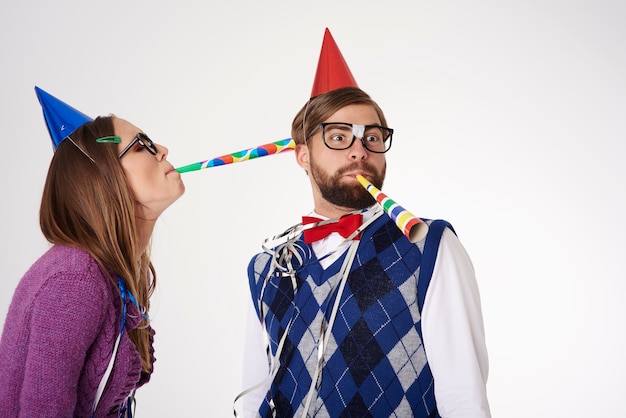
(255, 381)
(66, 316)
(454, 336)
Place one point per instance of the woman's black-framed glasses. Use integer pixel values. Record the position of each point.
(341, 135)
(144, 140)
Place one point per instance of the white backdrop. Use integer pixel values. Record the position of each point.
(509, 120)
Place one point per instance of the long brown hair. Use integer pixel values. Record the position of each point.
(87, 203)
(320, 108)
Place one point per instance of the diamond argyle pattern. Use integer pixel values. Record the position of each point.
(374, 364)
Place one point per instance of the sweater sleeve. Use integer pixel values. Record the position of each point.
(66, 316)
(454, 337)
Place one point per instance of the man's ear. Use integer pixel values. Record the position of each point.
(302, 156)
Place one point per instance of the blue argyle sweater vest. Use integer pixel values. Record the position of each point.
(374, 363)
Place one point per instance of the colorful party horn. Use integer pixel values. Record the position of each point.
(411, 226)
(248, 154)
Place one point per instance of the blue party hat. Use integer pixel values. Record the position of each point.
(61, 118)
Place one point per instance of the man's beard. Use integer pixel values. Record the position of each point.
(353, 196)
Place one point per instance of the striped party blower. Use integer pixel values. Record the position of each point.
(239, 156)
(411, 226)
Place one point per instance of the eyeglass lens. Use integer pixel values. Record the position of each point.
(144, 140)
(341, 136)
(147, 143)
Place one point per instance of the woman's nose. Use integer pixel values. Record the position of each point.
(162, 150)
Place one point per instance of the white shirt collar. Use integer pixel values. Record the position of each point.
(335, 242)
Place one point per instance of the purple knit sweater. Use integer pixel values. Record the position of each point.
(58, 339)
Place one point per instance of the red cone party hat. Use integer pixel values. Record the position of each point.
(332, 71)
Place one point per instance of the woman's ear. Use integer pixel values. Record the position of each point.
(302, 156)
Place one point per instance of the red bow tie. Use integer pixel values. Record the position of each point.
(345, 226)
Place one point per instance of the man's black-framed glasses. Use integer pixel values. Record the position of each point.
(341, 135)
(144, 140)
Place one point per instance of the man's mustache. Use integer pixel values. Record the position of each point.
(361, 166)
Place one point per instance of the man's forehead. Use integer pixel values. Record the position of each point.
(362, 114)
